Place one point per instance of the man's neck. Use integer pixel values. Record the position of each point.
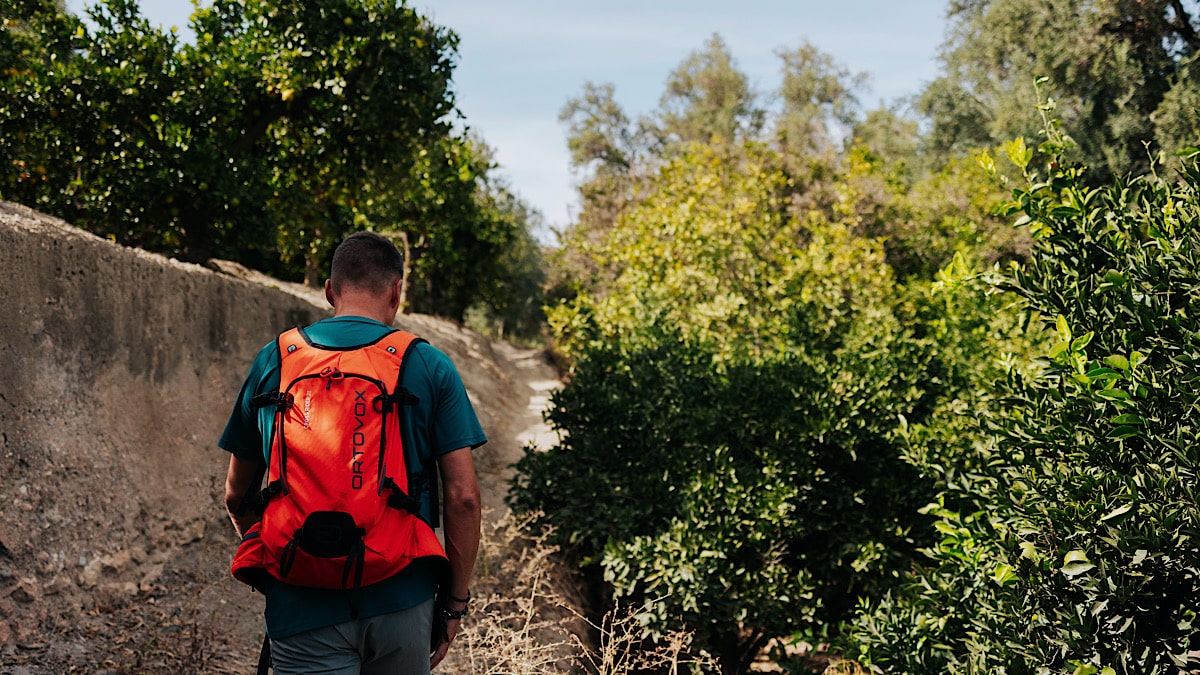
(360, 311)
(358, 302)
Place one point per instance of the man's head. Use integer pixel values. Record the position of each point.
(367, 262)
(365, 278)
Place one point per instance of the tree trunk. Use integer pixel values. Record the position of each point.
(312, 275)
(312, 269)
(406, 275)
(197, 239)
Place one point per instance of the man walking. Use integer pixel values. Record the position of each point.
(351, 622)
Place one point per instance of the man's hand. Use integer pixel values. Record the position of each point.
(452, 626)
(448, 611)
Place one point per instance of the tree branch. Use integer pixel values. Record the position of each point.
(1183, 23)
(259, 125)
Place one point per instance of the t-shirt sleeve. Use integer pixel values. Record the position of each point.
(454, 423)
(244, 434)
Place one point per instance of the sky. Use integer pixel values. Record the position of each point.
(520, 61)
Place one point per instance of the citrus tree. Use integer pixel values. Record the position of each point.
(1070, 543)
(282, 127)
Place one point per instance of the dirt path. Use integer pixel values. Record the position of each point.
(532, 381)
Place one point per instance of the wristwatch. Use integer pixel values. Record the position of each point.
(454, 614)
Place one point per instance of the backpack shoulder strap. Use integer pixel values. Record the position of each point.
(405, 343)
(401, 343)
(286, 343)
(290, 340)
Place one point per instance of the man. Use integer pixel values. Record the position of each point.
(387, 628)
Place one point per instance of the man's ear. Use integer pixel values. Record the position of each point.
(329, 292)
(397, 293)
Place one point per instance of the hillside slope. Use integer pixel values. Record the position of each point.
(117, 370)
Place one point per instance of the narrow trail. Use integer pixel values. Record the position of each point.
(520, 424)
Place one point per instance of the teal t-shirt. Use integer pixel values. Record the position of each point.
(443, 420)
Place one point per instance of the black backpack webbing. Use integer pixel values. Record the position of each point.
(264, 656)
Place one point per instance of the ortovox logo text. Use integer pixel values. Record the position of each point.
(358, 440)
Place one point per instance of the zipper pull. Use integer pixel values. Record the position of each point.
(330, 374)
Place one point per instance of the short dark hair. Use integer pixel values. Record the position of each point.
(367, 261)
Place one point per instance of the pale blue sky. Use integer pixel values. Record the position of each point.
(521, 60)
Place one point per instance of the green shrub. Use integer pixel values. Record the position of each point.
(734, 428)
(745, 503)
(1071, 544)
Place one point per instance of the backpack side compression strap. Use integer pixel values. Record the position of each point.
(425, 479)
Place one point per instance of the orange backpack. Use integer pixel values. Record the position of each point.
(340, 509)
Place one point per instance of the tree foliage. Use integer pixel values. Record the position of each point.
(1072, 537)
(608, 153)
(819, 101)
(747, 372)
(764, 323)
(280, 129)
(512, 307)
(1115, 66)
(707, 100)
(707, 96)
(732, 434)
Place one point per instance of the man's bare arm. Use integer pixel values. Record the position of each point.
(242, 479)
(461, 522)
(462, 517)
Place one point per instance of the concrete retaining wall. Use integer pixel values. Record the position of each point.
(117, 372)
(106, 348)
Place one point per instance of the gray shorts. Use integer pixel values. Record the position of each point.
(391, 644)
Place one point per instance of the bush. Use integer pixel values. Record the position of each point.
(733, 453)
(744, 503)
(1072, 545)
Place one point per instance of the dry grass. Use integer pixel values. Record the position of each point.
(845, 668)
(528, 619)
(517, 623)
(623, 649)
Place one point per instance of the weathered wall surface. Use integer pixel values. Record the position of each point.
(116, 367)
(117, 370)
